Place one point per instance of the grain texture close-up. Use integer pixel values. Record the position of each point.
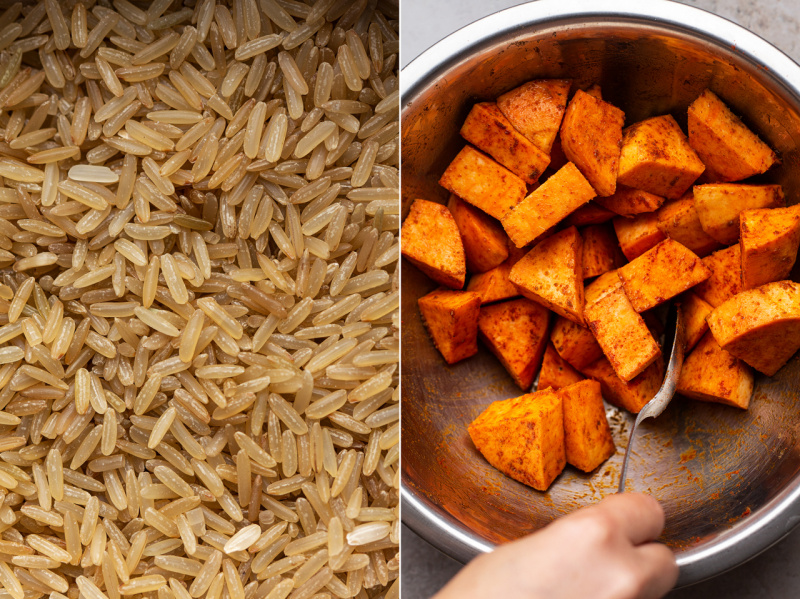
(199, 299)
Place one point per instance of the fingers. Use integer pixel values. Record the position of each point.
(660, 569)
(639, 517)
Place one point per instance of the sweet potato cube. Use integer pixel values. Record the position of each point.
(561, 194)
(660, 274)
(730, 151)
(451, 318)
(493, 285)
(710, 373)
(631, 395)
(622, 334)
(523, 437)
(719, 205)
(587, 435)
(627, 201)
(431, 242)
(760, 326)
(590, 135)
(769, 242)
(489, 130)
(678, 220)
(556, 372)
(485, 242)
(657, 157)
(726, 276)
(694, 311)
(599, 288)
(638, 234)
(552, 274)
(516, 332)
(535, 109)
(595, 91)
(589, 214)
(575, 343)
(479, 180)
(600, 250)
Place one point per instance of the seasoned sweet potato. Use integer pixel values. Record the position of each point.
(591, 133)
(601, 287)
(489, 130)
(552, 274)
(479, 180)
(536, 109)
(657, 158)
(431, 241)
(769, 240)
(485, 242)
(719, 205)
(638, 234)
(556, 372)
(694, 311)
(710, 373)
(730, 151)
(678, 220)
(451, 318)
(523, 437)
(631, 395)
(726, 276)
(760, 326)
(627, 201)
(589, 214)
(575, 343)
(516, 332)
(587, 435)
(595, 91)
(660, 274)
(601, 252)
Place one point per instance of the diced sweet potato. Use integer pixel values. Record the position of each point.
(601, 287)
(660, 274)
(694, 311)
(710, 373)
(431, 241)
(451, 318)
(489, 130)
(769, 242)
(726, 276)
(589, 214)
(590, 135)
(638, 234)
(600, 250)
(479, 180)
(556, 372)
(523, 437)
(631, 395)
(678, 220)
(657, 158)
(575, 343)
(561, 194)
(720, 204)
(760, 326)
(587, 435)
(485, 242)
(595, 91)
(627, 201)
(552, 274)
(536, 108)
(730, 151)
(516, 332)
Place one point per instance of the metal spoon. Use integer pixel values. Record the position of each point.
(659, 403)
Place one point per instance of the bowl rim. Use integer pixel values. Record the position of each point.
(778, 517)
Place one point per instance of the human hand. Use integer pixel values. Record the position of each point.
(604, 551)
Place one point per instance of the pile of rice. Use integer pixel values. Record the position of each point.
(199, 299)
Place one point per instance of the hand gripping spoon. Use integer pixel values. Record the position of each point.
(659, 403)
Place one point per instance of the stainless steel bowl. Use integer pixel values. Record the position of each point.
(729, 480)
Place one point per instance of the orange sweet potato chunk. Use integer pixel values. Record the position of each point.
(600, 250)
(603, 285)
(719, 205)
(587, 435)
(710, 373)
(516, 332)
(595, 91)
(694, 311)
(638, 234)
(657, 157)
(678, 220)
(660, 274)
(627, 201)
(590, 135)
(575, 343)
(451, 318)
(523, 437)
(556, 372)
(485, 242)
(726, 276)
(589, 214)
(493, 285)
(475, 177)
(552, 274)
(431, 241)
(730, 151)
(489, 130)
(561, 194)
(769, 240)
(631, 395)
(536, 108)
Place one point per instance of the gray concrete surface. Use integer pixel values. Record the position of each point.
(775, 574)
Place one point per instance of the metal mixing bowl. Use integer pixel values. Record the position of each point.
(729, 480)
